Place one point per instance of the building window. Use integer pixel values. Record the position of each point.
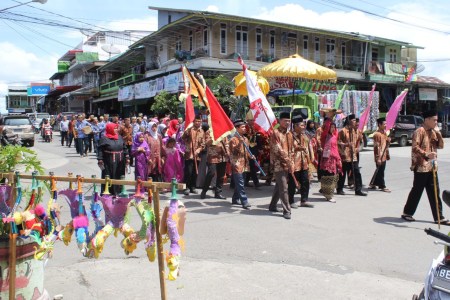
(169, 19)
(272, 44)
(205, 38)
(374, 54)
(242, 40)
(178, 44)
(259, 48)
(392, 55)
(317, 50)
(330, 47)
(343, 54)
(305, 46)
(223, 38)
(191, 41)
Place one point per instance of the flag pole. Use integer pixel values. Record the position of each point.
(251, 154)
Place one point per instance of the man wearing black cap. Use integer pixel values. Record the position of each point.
(381, 152)
(347, 142)
(239, 158)
(425, 142)
(281, 151)
(301, 164)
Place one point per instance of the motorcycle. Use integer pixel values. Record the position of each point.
(47, 135)
(437, 282)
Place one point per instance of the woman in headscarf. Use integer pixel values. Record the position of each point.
(112, 156)
(330, 164)
(173, 128)
(155, 143)
(314, 145)
(141, 152)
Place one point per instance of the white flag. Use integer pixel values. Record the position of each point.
(260, 107)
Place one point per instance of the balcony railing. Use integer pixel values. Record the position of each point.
(113, 86)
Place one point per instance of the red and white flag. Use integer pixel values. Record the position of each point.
(262, 112)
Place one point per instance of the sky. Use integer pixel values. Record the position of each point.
(29, 51)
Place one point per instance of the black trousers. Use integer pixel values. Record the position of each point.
(253, 174)
(423, 181)
(379, 177)
(346, 169)
(217, 170)
(64, 138)
(190, 174)
(303, 179)
(129, 153)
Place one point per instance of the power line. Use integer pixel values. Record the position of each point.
(386, 18)
(402, 13)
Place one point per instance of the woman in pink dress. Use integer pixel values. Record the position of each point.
(330, 164)
(173, 165)
(141, 152)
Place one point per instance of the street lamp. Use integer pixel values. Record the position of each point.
(20, 4)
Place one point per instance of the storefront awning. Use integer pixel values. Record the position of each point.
(101, 99)
(59, 90)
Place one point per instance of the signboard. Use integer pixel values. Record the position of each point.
(427, 94)
(38, 90)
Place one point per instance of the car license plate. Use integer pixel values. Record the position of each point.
(441, 280)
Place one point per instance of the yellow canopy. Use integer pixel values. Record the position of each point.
(241, 85)
(298, 67)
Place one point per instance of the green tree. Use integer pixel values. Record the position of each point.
(222, 87)
(165, 103)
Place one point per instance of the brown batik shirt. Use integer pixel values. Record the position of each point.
(380, 146)
(424, 142)
(216, 153)
(194, 140)
(239, 156)
(301, 152)
(281, 150)
(345, 136)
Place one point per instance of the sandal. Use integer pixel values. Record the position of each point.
(443, 222)
(408, 218)
(386, 190)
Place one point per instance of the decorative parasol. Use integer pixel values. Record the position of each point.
(241, 86)
(297, 67)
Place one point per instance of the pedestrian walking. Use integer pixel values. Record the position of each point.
(330, 163)
(141, 153)
(281, 152)
(425, 142)
(112, 156)
(64, 130)
(301, 159)
(239, 159)
(381, 144)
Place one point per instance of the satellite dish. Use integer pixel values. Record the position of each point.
(110, 49)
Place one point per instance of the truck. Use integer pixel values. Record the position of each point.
(404, 127)
(304, 105)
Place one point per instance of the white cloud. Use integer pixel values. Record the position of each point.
(19, 67)
(149, 23)
(212, 8)
(436, 44)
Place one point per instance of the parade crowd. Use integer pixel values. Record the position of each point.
(292, 155)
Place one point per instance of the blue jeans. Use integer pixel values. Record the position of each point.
(239, 189)
(83, 145)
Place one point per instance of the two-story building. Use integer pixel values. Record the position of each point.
(76, 83)
(209, 43)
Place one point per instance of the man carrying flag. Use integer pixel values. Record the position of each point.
(381, 152)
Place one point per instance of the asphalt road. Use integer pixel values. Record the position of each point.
(357, 248)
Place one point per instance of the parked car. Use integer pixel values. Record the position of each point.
(21, 125)
(273, 95)
(404, 127)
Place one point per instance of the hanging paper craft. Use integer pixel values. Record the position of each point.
(172, 224)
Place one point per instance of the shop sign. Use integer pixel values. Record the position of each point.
(427, 94)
